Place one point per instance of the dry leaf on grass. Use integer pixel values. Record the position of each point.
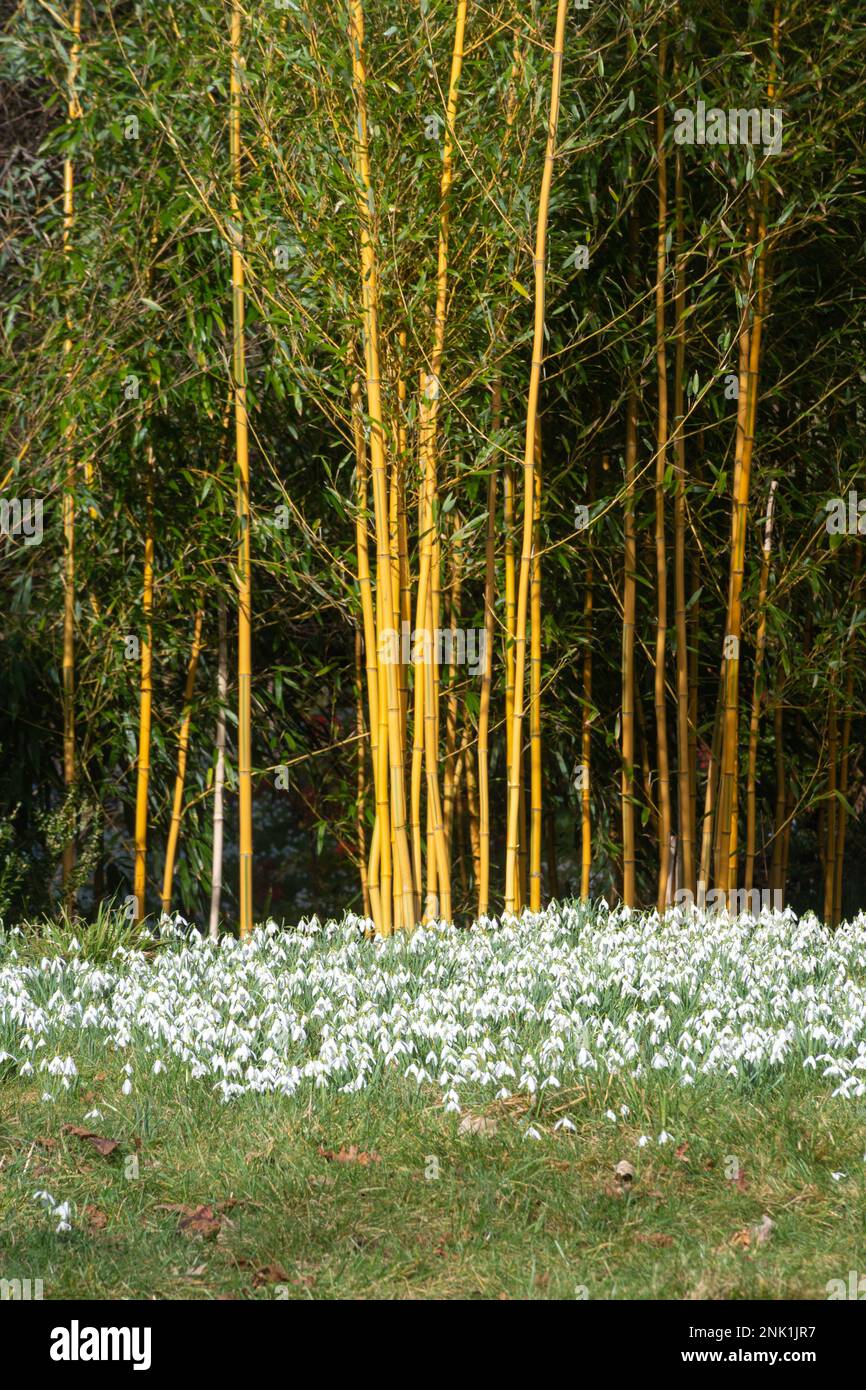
(352, 1154)
(272, 1273)
(200, 1222)
(653, 1238)
(194, 1221)
(477, 1124)
(102, 1146)
(624, 1172)
(96, 1220)
(753, 1235)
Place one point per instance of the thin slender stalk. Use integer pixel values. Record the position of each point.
(361, 791)
(487, 674)
(629, 614)
(843, 767)
(832, 782)
(535, 827)
(239, 379)
(69, 759)
(139, 888)
(180, 777)
(515, 733)
(684, 764)
(219, 779)
(662, 763)
(449, 784)
(586, 732)
(776, 872)
(754, 722)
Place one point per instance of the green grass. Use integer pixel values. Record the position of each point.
(506, 1217)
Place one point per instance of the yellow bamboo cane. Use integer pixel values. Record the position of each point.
(139, 887)
(219, 774)
(180, 777)
(535, 692)
(684, 763)
(365, 586)
(369, 283)
(760, 645)
(487, 676)
(511, 869)
(663, 769)
(69, 767)
(239, 378)
(629, 615)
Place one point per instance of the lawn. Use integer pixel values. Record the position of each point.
(316, 1115)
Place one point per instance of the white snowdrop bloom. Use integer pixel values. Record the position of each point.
(126, 1088)
(665, 1138)
(565, 1123)
(531, 1133)
(324, 1008)
(157, 1067)
(837, 1177)
(643, 1141)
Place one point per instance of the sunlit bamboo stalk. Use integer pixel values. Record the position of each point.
(139, 887)
(69, 759)
(180, 776)
(516, 731)
(535, 826)
(239, 379)
(370, 301)
(219, 778)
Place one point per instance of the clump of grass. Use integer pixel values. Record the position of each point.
(64, 936)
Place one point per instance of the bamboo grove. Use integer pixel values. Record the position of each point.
(444, 424)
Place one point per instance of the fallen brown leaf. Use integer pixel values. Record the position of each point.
(200, 1222)
(97, 1220)
(352, 1154)
(624, 1172)
(742, 1239)
(681, 1151)
(101, 1145)
(653, 1238)
(272, 1273)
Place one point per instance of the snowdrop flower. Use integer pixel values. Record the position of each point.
(566, 1124)
(643, 1141)
(531, 1133)
(324, 1008)
(609, 1115)
(665, 1138)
